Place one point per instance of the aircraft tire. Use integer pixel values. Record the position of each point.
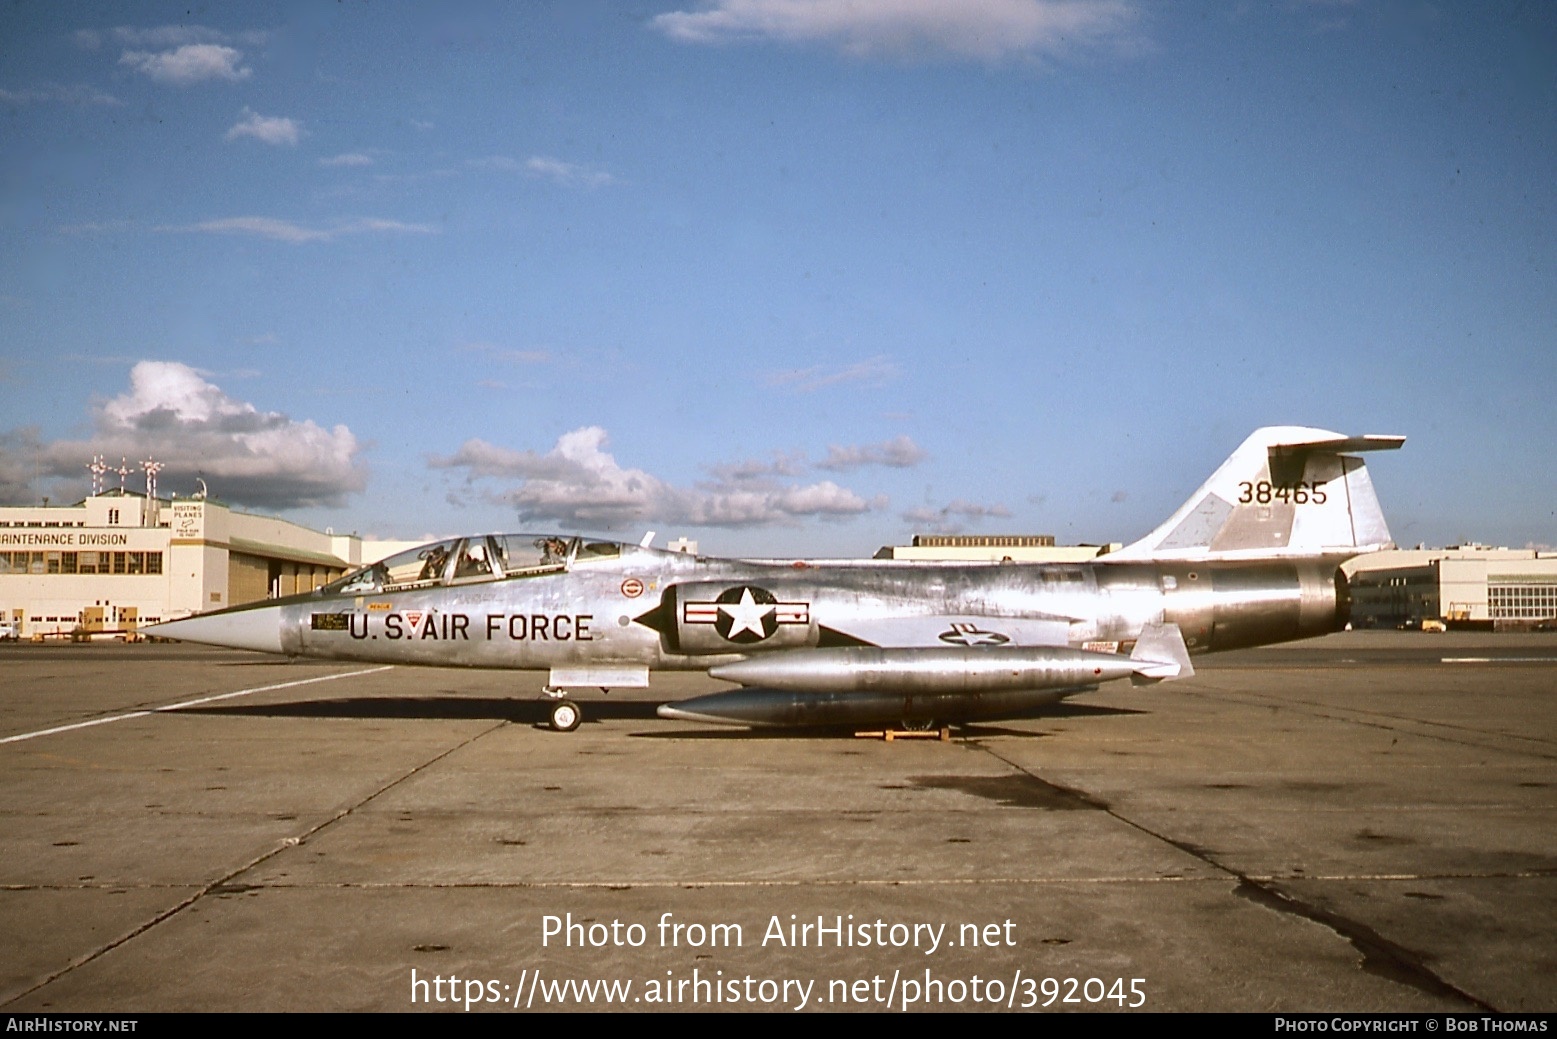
(565, 716)
(918, 724)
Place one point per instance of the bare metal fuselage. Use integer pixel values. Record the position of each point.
(633, 611)
(1251, 558)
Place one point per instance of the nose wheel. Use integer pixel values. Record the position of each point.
(565, 716)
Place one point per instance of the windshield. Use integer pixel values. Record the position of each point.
(533, 553)
(419, 567)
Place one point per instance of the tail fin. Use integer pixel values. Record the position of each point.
(1287, 492)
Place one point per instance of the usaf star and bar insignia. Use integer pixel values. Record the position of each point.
(964, 634)
(746, 614)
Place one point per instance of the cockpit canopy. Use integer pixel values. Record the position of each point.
(487, 557)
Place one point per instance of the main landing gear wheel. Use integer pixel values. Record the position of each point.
(918, 724)
(565, 716)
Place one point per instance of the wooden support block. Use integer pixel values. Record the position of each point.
(943, 734)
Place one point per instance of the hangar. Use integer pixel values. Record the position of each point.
(118, 559)
(1464, 586)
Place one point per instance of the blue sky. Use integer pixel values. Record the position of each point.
(786, 277)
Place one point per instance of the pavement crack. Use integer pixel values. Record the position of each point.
(1460, 735)
(1380, 956)
(224, 884)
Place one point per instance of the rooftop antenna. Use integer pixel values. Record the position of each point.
(204, 491)
(98, 468)
(123, 471)
(152, 468)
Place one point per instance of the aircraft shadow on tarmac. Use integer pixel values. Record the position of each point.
(537, 713)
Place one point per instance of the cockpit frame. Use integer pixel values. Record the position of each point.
(475, 559)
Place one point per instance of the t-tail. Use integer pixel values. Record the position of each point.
(1288, 492)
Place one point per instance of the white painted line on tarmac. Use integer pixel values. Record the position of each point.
(192, 703)
(1497, 660)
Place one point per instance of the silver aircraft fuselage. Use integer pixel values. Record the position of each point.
(1252, 558)
(582, 617)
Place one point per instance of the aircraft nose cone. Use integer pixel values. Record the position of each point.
(257, 629)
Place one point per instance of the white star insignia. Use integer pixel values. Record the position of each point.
(746, 615)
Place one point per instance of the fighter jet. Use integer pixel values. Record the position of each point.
(1251, 558)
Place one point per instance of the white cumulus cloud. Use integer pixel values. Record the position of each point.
(898, 453)
(176, 36)
(872, 371)
(579, 483)
(568, 174)
(288, 231)
(953, 517)
(271, 129)
(191, 63)
(980, 29)
(172, 413)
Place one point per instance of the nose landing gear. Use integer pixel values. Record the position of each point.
(565, 716)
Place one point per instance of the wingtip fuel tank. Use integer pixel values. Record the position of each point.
(859, 685)
(937, 669)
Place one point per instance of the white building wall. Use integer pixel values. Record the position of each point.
(52, 602)
(1462, 588)
(193, 538)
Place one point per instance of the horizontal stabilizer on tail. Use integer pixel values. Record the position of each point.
(1287, 461)
(1288, 492)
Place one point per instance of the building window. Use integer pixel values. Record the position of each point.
(113, 516)
(1521, 601)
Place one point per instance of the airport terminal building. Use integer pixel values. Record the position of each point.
(120, 560)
